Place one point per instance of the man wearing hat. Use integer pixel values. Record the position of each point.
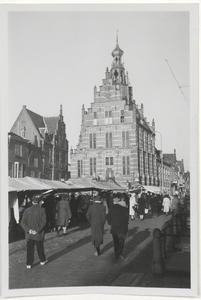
(118, 219)
(33, 222)
(96, 215)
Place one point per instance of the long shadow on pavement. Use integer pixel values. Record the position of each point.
(68, 249)
(130, 245)
(137, 239)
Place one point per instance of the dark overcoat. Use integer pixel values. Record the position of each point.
(96, 215)
(142, 205)
(34, 218)
(118, 219)
(64, 213)
(175, 204)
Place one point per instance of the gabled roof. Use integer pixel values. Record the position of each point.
(37, 119)
(51, 123)
(142, 122)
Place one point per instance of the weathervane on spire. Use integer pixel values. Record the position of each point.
(117, 36)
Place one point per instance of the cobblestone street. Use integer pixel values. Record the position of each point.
(71, 261)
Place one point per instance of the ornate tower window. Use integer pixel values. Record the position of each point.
(122, 116)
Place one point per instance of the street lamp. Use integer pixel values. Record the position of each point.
(161, 159)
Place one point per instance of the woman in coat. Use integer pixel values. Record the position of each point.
(132, 205)
(166, 204)
(96, 215)
(64, 214)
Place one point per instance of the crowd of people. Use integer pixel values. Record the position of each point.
(56, 212)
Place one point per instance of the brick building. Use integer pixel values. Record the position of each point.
(115, 141)
(25, 159)
(170, 160)
(187, 181)
(44, 145)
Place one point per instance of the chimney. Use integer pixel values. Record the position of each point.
(142, 110)
(153, 125)
(175, 157)
(83, 113)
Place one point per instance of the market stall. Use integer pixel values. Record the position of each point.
(148, 188)
(21, 189)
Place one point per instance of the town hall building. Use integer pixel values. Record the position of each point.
(115, 141)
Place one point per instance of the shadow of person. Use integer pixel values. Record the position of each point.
(68, 249)
(107, 247)
(135, 241)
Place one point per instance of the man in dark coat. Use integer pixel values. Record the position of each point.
(74, 209)
(33, 222)
(154, 205)
(142, 205)
(118, 219)
(96, 215)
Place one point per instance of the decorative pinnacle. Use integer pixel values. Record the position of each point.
(117, 36)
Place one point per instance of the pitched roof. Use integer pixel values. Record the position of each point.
(146, 125)
(143, 122)
(181, 165)
(37, 119)
(51, 123)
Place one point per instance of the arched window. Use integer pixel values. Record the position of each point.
(23, 132)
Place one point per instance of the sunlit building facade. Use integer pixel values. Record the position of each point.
(115, 141)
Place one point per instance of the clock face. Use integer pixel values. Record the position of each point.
(107, 95)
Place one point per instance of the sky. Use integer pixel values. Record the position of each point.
(57, 57)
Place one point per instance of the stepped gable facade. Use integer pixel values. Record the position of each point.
(47, 134)
(115, 141)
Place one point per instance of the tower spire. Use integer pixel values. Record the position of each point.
(117, 37)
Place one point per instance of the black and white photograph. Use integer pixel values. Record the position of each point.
(99, 149)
